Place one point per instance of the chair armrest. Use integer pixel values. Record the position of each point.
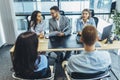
(51, 68)
(64, 64)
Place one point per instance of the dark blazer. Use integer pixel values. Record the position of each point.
(64, 25)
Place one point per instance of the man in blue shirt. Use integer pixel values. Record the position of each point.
(90, 60)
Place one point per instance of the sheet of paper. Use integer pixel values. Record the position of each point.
(55, 33)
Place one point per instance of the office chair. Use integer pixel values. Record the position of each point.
(17, 78)
(89, 76)
(95, 18)
(113, 7)
(49, 78)
(94, 76)
(62, 12)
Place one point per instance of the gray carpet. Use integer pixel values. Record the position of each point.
(6, 65)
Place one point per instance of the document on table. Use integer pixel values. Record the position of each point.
(55, 33)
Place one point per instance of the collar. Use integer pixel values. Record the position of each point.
(86, 21)
(89, 52)
(59, 18)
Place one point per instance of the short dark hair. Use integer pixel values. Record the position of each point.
(89, 35)
(56, 8)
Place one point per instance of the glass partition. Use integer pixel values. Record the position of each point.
(72, 9)
(99, 6)
(74, 6)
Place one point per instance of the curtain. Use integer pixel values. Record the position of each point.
(8, 20)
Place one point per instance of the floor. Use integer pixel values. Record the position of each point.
(5, 65)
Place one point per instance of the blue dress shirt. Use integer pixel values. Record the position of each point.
(89, 62)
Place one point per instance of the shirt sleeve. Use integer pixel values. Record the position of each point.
(67, 30)
(31, 29)
(40, 28)
(50, 26)
(78, 26)
(43, 63)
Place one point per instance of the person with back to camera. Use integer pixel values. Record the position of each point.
(27, 63)
(90, 60)
(37, 24)
(85, 19)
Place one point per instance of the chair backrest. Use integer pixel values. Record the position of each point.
(92, 12)
(43, 16)
(113, 7)
(93, 16)
(62, 12)
(96, 21)
(98, 75)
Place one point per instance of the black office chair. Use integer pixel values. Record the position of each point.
(87, 76)
(18, 78)
(113, 7)
(62, 12)
(43, 16)
(95, 18)
(92, 76)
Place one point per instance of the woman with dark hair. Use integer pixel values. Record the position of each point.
(27, 63)
(37, 24)
(85, 19)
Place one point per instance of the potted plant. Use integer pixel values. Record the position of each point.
(116, 21)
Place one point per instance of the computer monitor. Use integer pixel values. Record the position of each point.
(106, 32)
